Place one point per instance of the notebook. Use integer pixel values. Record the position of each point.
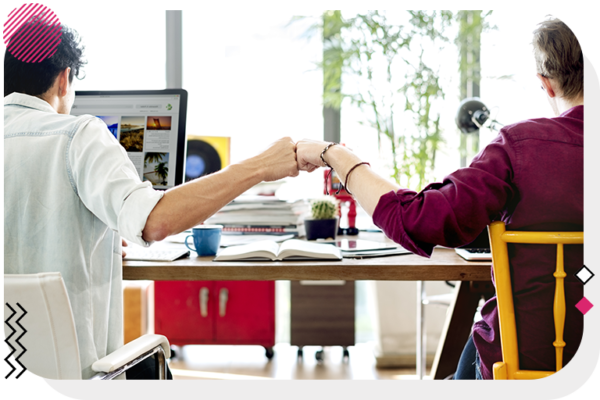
(477, 250)
(149, 254)
(361, 248)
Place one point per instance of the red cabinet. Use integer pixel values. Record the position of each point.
(216, 312)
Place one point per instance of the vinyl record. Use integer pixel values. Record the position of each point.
(202, 159)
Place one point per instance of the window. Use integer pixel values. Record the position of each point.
(509, 88)
(509, 85)
(252, 77)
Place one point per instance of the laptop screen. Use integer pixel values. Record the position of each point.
(149, 124)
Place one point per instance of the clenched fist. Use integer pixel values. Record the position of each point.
(308, 154)
(278, 160)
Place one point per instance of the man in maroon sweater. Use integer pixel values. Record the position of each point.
(530, 176)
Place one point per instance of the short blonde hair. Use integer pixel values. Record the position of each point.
(558, 56)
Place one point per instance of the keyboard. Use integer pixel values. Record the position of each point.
(475, 254)
(479, 251)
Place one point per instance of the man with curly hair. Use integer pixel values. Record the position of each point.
(71, 193)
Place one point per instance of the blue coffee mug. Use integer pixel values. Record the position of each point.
(206, 239)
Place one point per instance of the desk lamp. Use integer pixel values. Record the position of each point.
(472, 115)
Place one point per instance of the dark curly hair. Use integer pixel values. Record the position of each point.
(35, 78)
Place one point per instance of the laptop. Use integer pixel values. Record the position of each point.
(477, 250)
(149, 124)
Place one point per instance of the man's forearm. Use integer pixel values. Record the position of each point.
(192, 203)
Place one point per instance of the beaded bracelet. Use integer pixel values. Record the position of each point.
(323, 152)
(328, 177)
(348, 174)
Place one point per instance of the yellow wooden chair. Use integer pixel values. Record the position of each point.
(499, 237)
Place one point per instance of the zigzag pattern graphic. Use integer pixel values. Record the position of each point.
(13, 350)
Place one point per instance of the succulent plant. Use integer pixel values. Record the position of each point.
(325, 208)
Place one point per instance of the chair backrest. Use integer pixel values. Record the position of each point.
(499, 237)
(43, 316)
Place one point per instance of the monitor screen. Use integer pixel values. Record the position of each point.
(149, 124)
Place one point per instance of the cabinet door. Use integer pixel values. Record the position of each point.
(322, 315)
(245, 312)
(184, 311)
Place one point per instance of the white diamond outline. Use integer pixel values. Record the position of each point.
(591, 274)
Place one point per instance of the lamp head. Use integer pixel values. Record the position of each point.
(471, 115)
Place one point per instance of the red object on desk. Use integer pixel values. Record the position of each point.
(332, 185)
(216, 312)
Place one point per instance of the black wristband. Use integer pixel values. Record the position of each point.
(348, 175)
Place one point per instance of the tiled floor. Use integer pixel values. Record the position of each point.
(249, 362)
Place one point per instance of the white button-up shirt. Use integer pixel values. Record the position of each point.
(70, 192)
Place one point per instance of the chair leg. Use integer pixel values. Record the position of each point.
(162, 364)
(500, 372)
(456, 331)
(420, 362)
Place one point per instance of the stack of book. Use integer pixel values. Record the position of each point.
(262, 215)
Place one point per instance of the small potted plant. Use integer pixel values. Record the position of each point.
(324, 221)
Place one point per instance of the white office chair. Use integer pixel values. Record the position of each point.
(39, 304)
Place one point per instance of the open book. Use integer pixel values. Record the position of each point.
(290, 250)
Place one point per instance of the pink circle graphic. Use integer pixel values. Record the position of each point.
(32, 33)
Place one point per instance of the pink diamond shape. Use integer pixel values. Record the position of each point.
(584, 305)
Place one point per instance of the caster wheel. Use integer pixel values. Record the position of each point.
(269, 353)
(319, 355)
(346, 355)
(300, 353)
(176, 353)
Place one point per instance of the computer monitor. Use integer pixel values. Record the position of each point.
(149, 124)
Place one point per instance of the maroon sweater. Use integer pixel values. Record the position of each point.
(531, 177)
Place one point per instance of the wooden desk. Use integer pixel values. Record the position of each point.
(444, 265)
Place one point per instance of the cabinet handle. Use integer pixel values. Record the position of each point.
(223, 296)
(323, 283)
(204, 301)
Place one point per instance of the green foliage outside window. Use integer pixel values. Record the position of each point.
(386, 61)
